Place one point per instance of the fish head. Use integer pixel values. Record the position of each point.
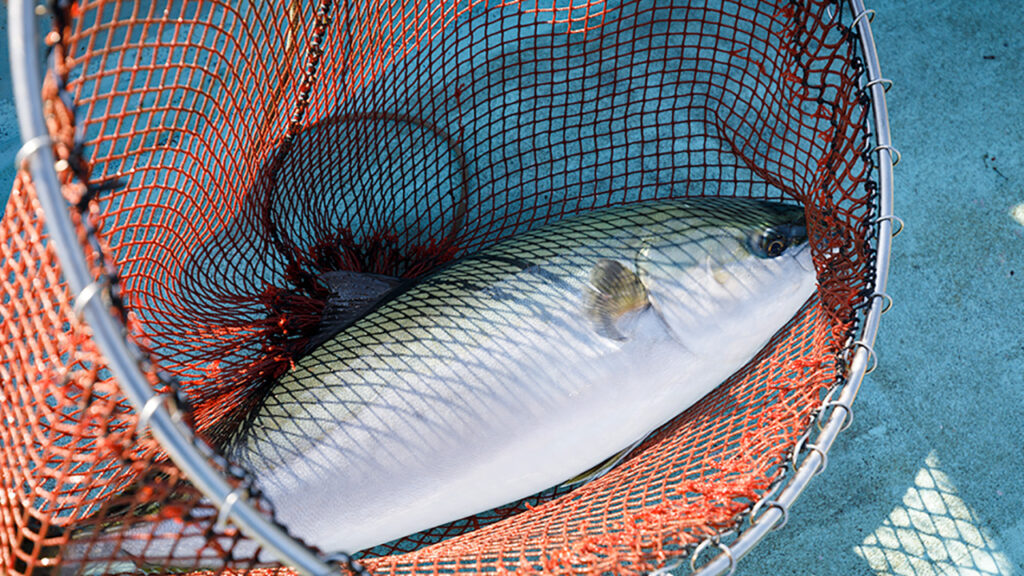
(724, 283)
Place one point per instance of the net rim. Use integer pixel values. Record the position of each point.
(189, 454)
(778, 502)
(164, 421)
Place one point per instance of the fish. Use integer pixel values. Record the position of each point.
(521, 366)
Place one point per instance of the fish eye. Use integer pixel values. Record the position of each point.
(770, 244)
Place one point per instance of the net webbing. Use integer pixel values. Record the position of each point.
(228, 154)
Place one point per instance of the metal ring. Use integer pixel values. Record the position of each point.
(891, 218)
(886, 299)
(831, 14)
(339, 558)
(869, 13)
(704, 544)
(847, 418)
(885, 82)
(224, 512)
(871, 354)
(894, 154)
(29, 149)
(824, 457)
(148, 409)
(800, 447)
(771, 504)
(87, 294)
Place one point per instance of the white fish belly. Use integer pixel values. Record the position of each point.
(478, 409)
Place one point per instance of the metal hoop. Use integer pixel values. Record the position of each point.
(885, 82)
(831, 14)
(824, 457)
(871, 354)
(87, 294)
(891, 218)
(29, 149)
(869, 13)
(893, 153)
(148, 409)
(725, 550)
(771, 504)
(886, 299)
(339, 558)
(847, 418)
(224, 512)
(801, 446)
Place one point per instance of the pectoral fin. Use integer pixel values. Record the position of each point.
(614, 290)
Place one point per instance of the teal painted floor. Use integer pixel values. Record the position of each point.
(928, 479)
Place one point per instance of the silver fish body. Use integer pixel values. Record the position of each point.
(502, 374)
(514, 369)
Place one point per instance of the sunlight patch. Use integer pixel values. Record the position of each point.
(933, 533)
(1017, 212)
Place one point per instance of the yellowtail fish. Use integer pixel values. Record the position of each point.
(509, 371)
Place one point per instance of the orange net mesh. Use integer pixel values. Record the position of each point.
(221, 156)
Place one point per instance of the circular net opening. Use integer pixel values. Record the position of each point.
(222, 157)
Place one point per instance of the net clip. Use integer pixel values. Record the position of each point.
(714, 540)
(148, 409)
(224, 512)
(894, 154)
(801, 446)
(885, 82)
(30, 149)
(891, 218)
(346, 560)
(886, 300)
(869, 13)
(777, 525)
(871, 355)
(98, 286)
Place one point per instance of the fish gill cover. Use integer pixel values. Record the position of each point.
(228, 154)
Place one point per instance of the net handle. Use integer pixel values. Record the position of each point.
(108, 333)
(863, 353)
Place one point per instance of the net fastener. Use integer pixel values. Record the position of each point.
(343, 559)
(885, 82)
(891, 218)
(224, 512)
(894, 154)
(847, 416)
(88, 293)
(30, 148)
(771, 504)
(800, 446)
(148, 409)
(886, 300)
(871, 355)
(725, 550)
(869, 13)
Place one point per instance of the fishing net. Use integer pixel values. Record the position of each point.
(219, 158)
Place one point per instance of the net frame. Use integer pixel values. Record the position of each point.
(836, 414)
(160, 412)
